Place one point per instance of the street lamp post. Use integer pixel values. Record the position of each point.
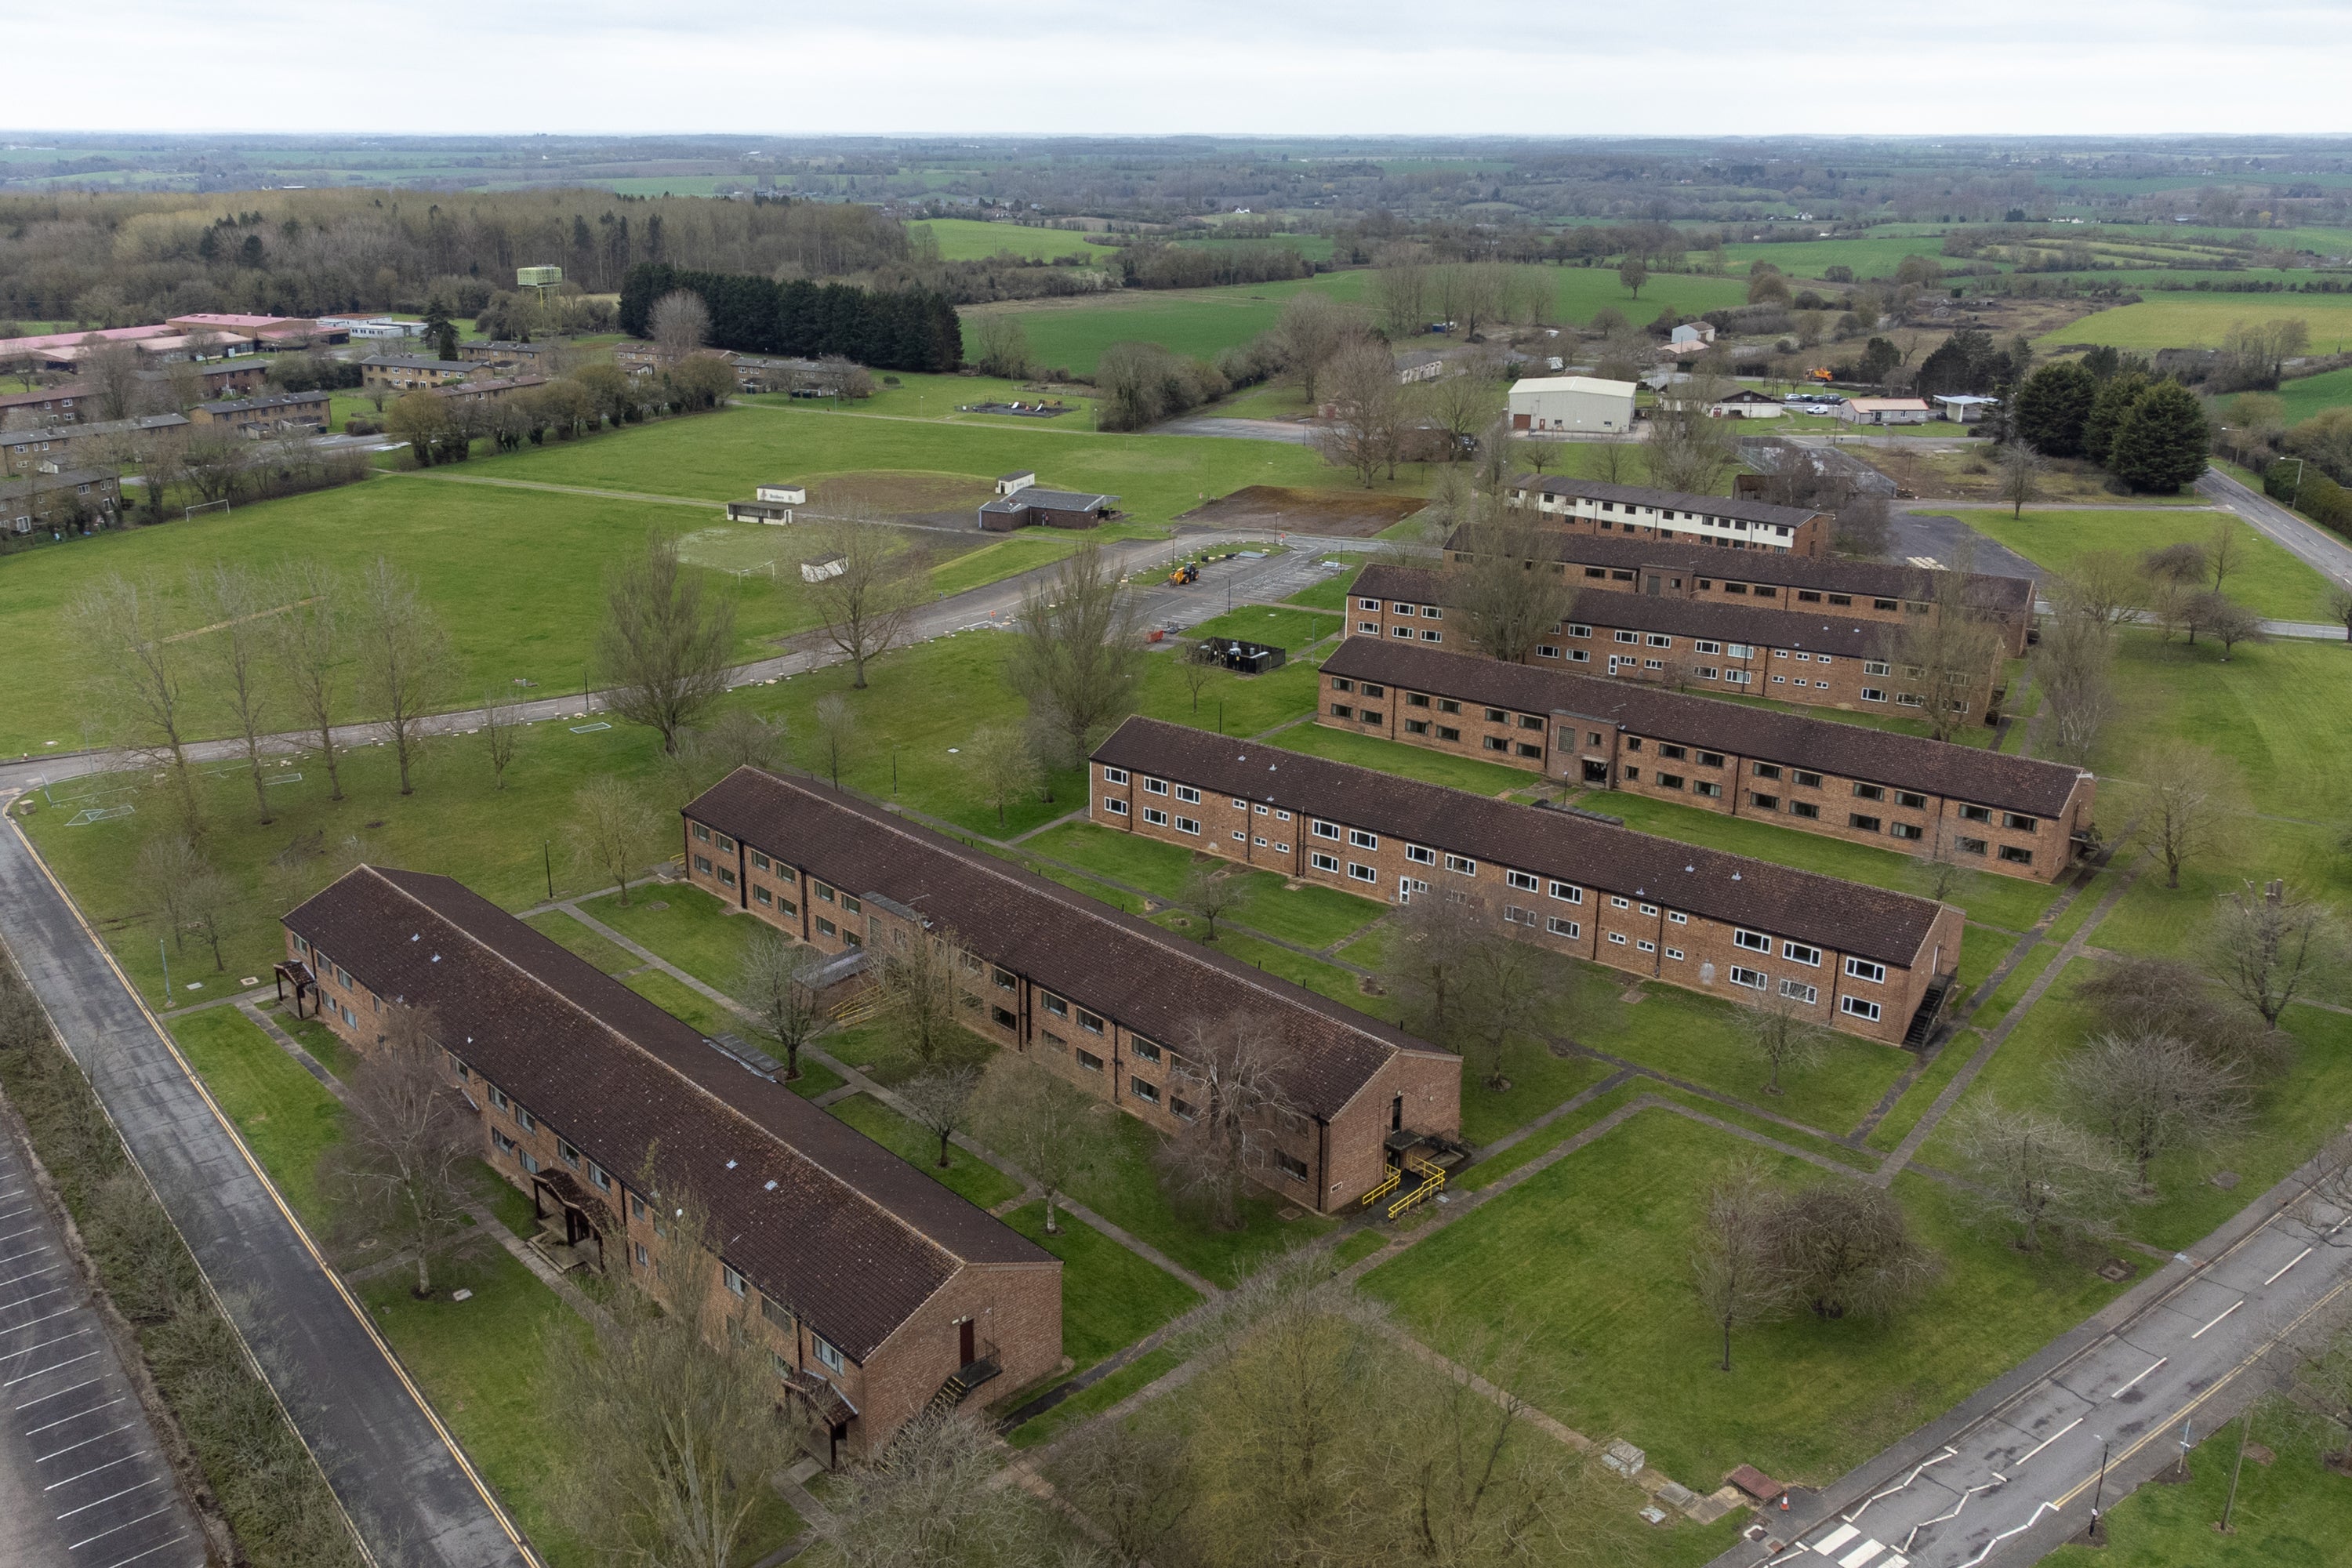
(2230, 1502)
(2098, 1536)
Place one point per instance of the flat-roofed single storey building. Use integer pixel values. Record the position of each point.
(874, 1290)
(1856, 958)
(1855, 590)
(1030, 505)
(1110, 1002)
(1817, 660)
(1636, 512)
(2016, 815)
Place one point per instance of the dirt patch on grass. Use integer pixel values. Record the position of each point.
(1352, 514)
(899, 495)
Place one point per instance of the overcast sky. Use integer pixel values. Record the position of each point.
(1705, 66)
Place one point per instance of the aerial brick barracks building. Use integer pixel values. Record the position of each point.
(1820, 660)
(2011, 815)
(1631, 512)
(1847, 956)
(1854, 590)
(1107, 1001)
(260, 416)
(876, 1291)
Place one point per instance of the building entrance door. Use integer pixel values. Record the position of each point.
(1407, 887)
(967, 1344)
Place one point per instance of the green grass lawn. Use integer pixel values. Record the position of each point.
(1127, 1193)
(2192, 319)
(972, 239)
(1331, 594)
(1931, 1082)
(1110, 1298)
(1291, 630)
(578, 940)
(967, 1176)
(1407, 761)
(1311, 916)
(692, 929)
(2288, 1508)
(2272, 581)
(288, 1119)
(2307, 396)
(1584, 1268)
(1141, 1373)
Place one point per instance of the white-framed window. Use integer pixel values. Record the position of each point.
(1575, 631)
(1755, 980)
(1617, 903)
(1739, 650)
(1241, 835)
(1628, 636)
(1323, 862)
(1527, 883)
(1872, 694)
(1155, 786)
(1114, 776)
(1433, 636)
(1864, 968)
(1420, 856)
(1617, 938)
(1188, 795)
(1675, 916)
(1462, 864)
(1656, 640)
(1675, 953)
(1798, 991)
(1859, 1008)
(1367, 604)
(1754, 942)
(1650, 910)
(1401, 632)
(1282, 816)
(1702, 646)
(1155, 817)
(1559, 927)
(1326, 829)
(1874, 667)
(1431, 612)
(1403, 609)
(1362, 873)
(1369, 629)
(1358, 839)
(735, 1282)
(1645, 947)
(1810, 956)
(826, 1353)
(1115, 806)
(1567, 892)
(1188, 824)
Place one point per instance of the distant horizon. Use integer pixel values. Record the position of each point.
(2094, 68)
(31, 136)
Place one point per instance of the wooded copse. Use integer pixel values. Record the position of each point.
(889, 330)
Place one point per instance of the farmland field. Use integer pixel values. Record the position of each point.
(2188, 319)
(2309, 395)
(970, 239)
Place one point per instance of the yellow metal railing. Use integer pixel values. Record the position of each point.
(857, 1009)
(1388, 1185)
(1432, 1177)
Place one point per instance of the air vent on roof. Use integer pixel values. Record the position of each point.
(436, 958)
(730, 1164)
(772, 1183)
(1734, 876)
(418, 936)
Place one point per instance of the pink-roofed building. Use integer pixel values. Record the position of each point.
(268, 329)
(17, 351)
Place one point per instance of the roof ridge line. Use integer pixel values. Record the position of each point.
(700, 1089)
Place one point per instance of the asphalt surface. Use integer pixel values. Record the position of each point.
(2013, 1472)
(409, 1494)
(2314, 546)
(83, 1480)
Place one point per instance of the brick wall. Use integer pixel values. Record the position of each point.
(1597, 752)
(1625, 932)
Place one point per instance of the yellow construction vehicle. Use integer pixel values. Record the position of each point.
(1187, 574)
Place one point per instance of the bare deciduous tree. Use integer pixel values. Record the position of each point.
(680, 322)
(1311, 330)
(2339, 608)
(2074, 666)
(1210, 895)
(2103, 586)
(2034, 1173)
(206, 901)
(132, 663)
(923, 984)
(1427, 966)
(1947, 657)
(1196, 667)
(2151, 1094)
(670, 1412)
(2267, 944)
(1847, 1250)
(778, 982)
(1506, 592)
(109, 372)
(502, 727)
(664, 645)
(1734, 1261)
(1079, 658)
(833, 738)
(863, 608)
(1688, 450)
(236, 604)
(308, 643)
(2225, 548)
(940, 1102)
(1002, 765)
(934, 1498)
(612, 831)
(404, 659)
(1776, 1032)
(1003, 345)
(2225, 620)
(409, 1142)
(1370, 411)
(1049, 1127)
(168, 863)
(2186, 799)
(1231, 1072)
(1504, 1001)
(2020, 468)
(2161, 996)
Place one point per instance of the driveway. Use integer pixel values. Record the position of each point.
(411, 1495)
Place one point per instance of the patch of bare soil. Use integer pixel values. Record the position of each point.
(909, 496)
(1346, 513)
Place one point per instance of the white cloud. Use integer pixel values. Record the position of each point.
(1317, 67)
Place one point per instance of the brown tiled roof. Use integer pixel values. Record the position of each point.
(1670, 501)
(1112, 962)
(1679, 617)
(1846, 916)
(1876, 579)
(1970, 773)
(812, 1211)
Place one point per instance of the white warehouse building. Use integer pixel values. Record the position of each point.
(1572, 405)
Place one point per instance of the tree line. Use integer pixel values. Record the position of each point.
(911, 329)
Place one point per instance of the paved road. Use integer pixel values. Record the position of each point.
(83, 1480)
(1295, 434)
(411, 1496)
(2011, 1475)
(2315, 547)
